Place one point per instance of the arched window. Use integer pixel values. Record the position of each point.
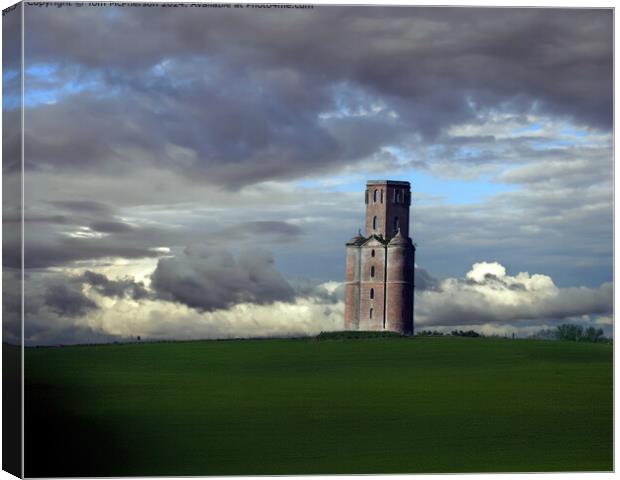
(397, 196)
(374, 222)
(372, 253)
(370, 314)
(372, 293)
(396, 224)
(374, 197)
(372, 271)
(381, 195)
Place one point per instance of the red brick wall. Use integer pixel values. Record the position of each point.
(352, 289)
(368, 282)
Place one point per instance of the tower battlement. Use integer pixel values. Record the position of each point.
(380, 264)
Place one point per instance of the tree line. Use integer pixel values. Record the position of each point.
(567, 332)
(576, 333)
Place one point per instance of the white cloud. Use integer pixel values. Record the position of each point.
(157, 320)
(488, 295)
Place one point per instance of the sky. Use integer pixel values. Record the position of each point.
(195, 172)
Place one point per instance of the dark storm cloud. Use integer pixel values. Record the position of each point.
(67, 300)
(58, 308)
(280, 231)
(254, 95)
(39, 333)
(115, 288)
(208, 279)
(11, 141)
(36, 219)
(11, 39)
(47, 244)
(42, 255)
(559, 168)
(83, 206)
(110, 227)
(87, 229)
(79, 230)
(55, 314)
(424, 280)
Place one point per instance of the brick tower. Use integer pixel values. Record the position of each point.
(380, 264)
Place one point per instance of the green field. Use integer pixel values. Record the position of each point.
(376, 405)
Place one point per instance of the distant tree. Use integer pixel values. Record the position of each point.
(576, 333)
(569, 332)
(593, 334)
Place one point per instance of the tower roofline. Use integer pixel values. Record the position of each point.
(388, 182)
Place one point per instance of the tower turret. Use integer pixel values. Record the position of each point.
(399, 285)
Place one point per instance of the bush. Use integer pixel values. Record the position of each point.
(429, 333)
(461, 333)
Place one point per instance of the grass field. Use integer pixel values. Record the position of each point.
(376, 405)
